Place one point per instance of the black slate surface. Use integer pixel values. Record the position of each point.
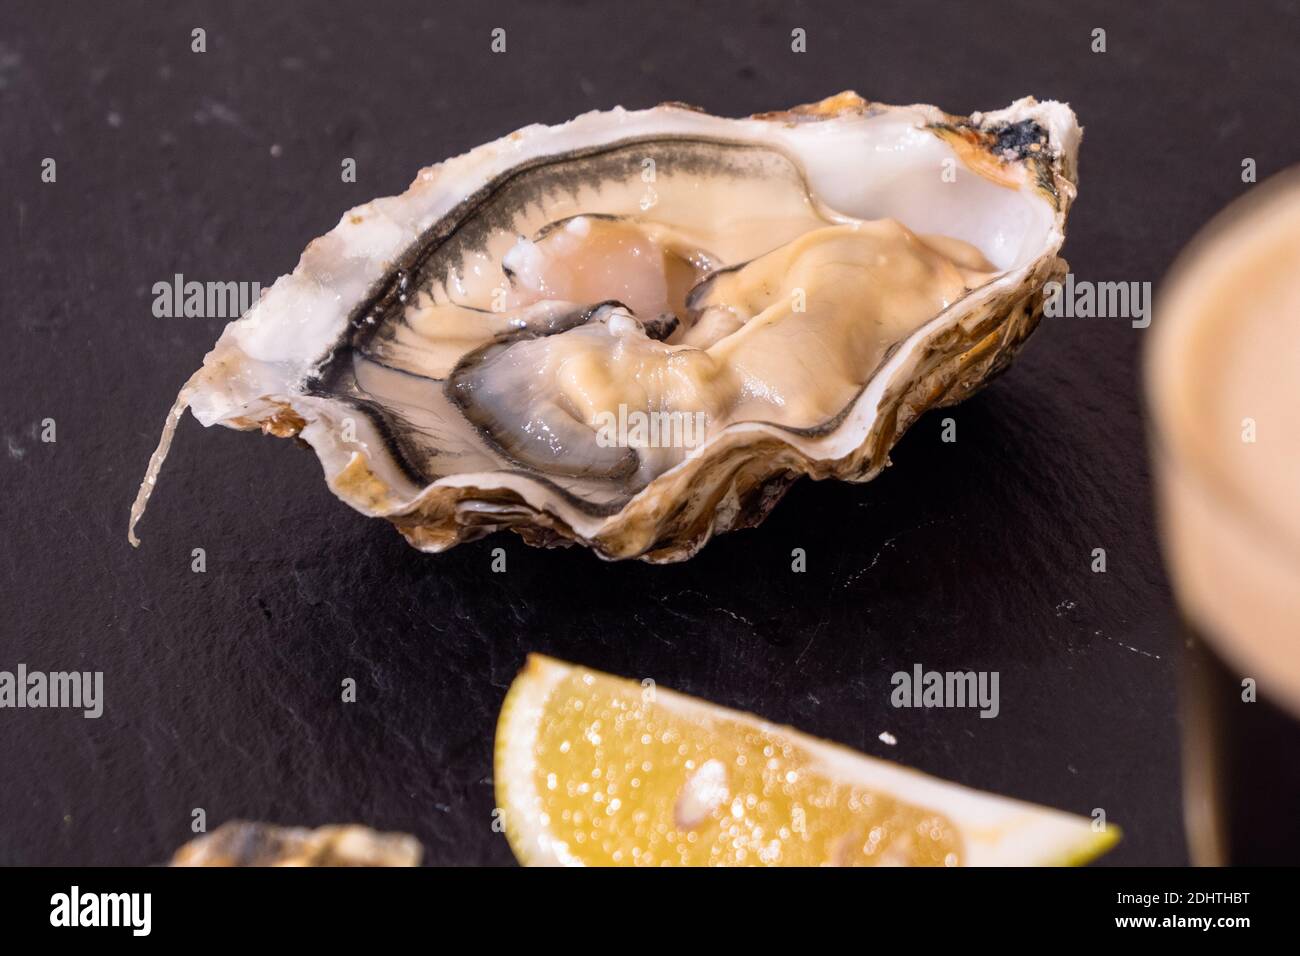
(223, 688)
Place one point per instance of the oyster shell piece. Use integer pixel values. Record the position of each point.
(239, 843)
(784, 294)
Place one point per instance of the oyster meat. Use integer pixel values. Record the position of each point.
(637, 329)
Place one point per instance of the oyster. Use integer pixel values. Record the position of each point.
(637, 329)
(240, 843)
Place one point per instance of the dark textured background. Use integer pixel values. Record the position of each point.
(223, 688)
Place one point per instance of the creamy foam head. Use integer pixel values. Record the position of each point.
(1223, 377)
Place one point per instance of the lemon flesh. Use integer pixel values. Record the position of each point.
(600, 771)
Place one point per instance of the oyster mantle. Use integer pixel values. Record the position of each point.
(801, 284)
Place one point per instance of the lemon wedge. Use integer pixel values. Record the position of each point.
(600, 771)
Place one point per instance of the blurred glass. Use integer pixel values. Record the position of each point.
(1223, 389)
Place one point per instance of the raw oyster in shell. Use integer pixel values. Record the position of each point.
(637, 329)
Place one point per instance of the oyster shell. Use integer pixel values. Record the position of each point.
(507, 343)
(241, 843)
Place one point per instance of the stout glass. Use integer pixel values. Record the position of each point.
(1223, 389)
